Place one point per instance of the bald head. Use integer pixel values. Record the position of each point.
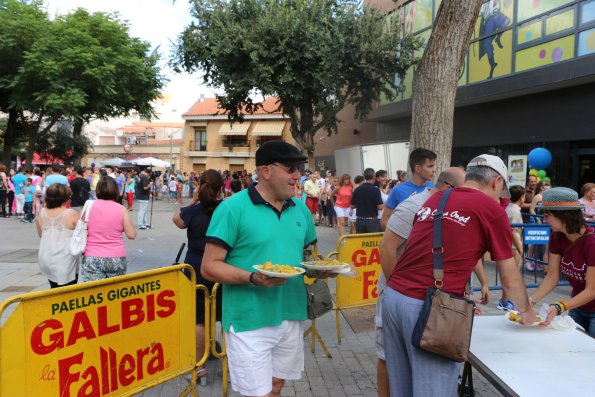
(451, 177)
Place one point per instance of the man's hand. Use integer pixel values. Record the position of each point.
(485, 294)
(262, 280)
(529, 317)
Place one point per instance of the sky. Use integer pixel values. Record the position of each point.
(157, 21)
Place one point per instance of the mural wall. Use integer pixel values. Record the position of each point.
(511, 36)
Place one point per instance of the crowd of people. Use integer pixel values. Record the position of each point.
(265, 348)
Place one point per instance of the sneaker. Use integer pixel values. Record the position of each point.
(142, 227)
(530, 266)
(505, 305)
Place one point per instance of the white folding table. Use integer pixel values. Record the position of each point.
(531, 361)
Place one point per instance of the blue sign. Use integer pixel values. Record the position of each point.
(536, 235)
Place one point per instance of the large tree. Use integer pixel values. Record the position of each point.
(21, 25)
(435, 80)
(315, 55)
(85, 66)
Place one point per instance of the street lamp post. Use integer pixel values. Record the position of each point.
(171, 149)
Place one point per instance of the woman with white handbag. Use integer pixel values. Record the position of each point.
(55, 224)
(105, 253)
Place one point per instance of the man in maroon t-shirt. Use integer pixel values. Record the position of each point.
(473, 224)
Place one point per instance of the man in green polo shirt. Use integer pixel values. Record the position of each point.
(262, 316)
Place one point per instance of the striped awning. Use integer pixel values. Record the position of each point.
(236, 129)
(268, 128)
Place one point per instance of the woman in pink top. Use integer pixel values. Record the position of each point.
(341, 199)
(105, 254)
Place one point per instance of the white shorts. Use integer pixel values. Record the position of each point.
(342, 212)
(20, 199)
(353, 216)
(255, 357)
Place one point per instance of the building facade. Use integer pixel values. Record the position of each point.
(528, 81)
(212, 142)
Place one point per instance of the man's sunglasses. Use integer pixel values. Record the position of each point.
(290, 168)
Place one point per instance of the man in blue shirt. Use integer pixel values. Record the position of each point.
(423, 167)
(55, 177)
(19, 180)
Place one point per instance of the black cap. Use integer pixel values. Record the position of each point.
(279, 152)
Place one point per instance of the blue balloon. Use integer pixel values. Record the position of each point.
(540, 158)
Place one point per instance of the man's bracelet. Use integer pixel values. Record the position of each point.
(252, 279)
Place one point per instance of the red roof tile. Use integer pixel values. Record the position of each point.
(210, 107)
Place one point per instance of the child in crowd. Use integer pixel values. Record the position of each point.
(513, 210)
(179, 190)
(173, 187)
(129, 189)
(28, 191)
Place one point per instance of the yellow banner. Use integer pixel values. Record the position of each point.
(108, 337)
(363, 250)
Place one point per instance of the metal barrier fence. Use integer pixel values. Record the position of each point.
(534, 234)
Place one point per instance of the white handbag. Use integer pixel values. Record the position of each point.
(78, 242)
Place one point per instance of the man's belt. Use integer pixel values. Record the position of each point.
(368, 219)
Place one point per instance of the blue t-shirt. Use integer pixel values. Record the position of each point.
(403, 191)
(19, 182)
(55, 178)
(119, 182)
(28, 192)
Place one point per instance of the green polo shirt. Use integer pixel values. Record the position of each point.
(253, 232)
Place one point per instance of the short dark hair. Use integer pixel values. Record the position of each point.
(56, 195)
(30, 180)
(358, 179)
(516, 192)
(419, 156)
(78, 169)
(573, 220)
(107, 189)
(56, 168)
(369, 174)
(235, 185)
(381, 173)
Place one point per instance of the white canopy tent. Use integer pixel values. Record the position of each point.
(150, 162)
(115, 162)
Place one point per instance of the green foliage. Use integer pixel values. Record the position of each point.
(21, 25)
(78, 67)
(88, 66)
(315, 55)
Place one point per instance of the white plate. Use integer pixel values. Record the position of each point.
(310, 265)
(347, 272)
(514, 322)
(280, 275)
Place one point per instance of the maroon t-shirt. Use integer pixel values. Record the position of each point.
(573, 263)
(473, 223)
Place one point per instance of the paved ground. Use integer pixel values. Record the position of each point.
(350, 372)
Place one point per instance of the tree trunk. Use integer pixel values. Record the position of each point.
(77, 130)
(9, 136)
(31, 138)
(435, 80)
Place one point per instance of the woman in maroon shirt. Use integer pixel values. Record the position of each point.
(572, 251)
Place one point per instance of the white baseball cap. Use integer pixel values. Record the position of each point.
(495, 163)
